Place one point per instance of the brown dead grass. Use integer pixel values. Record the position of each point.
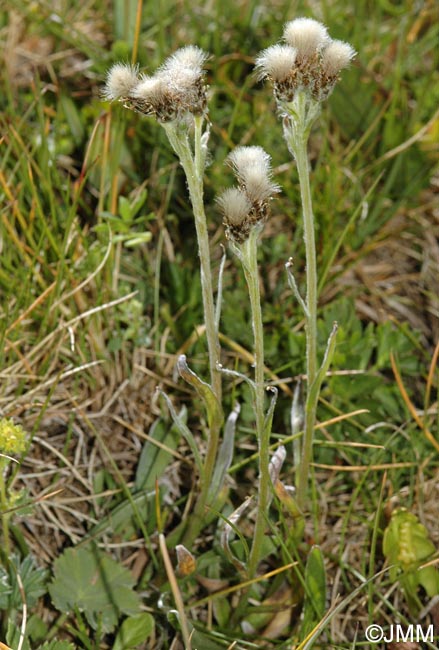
(397, 278)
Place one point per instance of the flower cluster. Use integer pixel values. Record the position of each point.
(309, 61)
(246, 206)
(175, 91)
(12, 437)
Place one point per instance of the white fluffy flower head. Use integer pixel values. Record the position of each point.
(234, 205)
(149, 88)
(310, 62)
(252, 166)
(175, 92)
(191, 57)
(276, 62)
(242, 158)
(247, 205)
(121, 79)
(336, 56)
(307, 35)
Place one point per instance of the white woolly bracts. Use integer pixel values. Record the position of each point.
(246, 206)
(310, 61)
(174, 91)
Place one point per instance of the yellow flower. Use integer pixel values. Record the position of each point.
(12, 437)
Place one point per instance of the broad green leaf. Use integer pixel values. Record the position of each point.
(138, 202)
(124, 518)
(406, 545)
(213, 408)
(309, 642)
(287, 500)
(429, 579)
(94, 584)
(125, 209)
(406, 541)
(315, 592)
(142, 238)
(180, 422)
(134, 631)
(225, 454)
(36, 629)
(154, 458)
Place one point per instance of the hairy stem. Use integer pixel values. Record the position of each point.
(249, 261)
(296, 131)
(4, 505)
(311, 319)
(193, 165)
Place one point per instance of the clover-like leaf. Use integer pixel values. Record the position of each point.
(94, 584)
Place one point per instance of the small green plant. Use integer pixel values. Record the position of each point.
(304, 72)
(176, 96)
(246, 209)
(128, 219)
(22, 584)
(407, 546)
(12, 441)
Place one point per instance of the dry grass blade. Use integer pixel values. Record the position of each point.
(363, 468)
(430, 378)
(175, 592)
(31, 307)
(243, 585)
(335, 608)
(24, 614)
(411, 407)
(43, 497)
(288, 439)
(408, 143)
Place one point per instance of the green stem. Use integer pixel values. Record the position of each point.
(4, 506)
(250, 265)
(156, 308)
(303, 112)
(193, 165)
(311, 319)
